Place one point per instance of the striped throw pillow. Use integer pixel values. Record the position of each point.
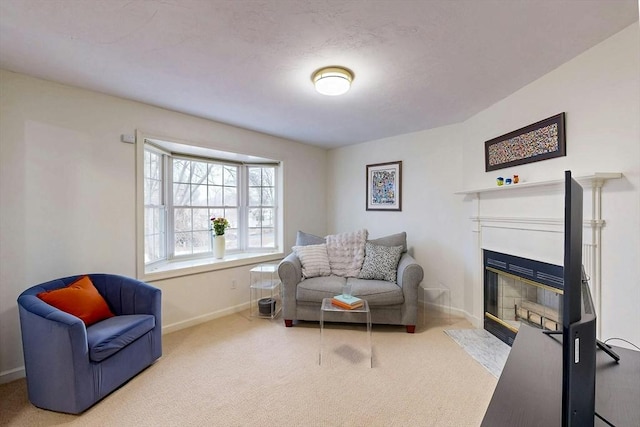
(314, 260)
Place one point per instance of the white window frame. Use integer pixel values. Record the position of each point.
(174, 266)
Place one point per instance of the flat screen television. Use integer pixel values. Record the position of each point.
(578, 320)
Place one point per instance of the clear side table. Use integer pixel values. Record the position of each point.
(441, 291)
(363, 311)
(265, 299)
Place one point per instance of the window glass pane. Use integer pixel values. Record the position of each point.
(255, 237)
(267, 196)
(201, 241)
(268, 237)
(154, 167)
(198, 173)
(255, 215)
(182, 244)
(231, 239)
(231, 175)
(267, 217)
(215, 174)
(254, 196)
(198, 195)
(181, 170)
(201, 220)
(181, 194)
(215, 195)
(232, 217)
(182, 219)
(153, 194)
(268, 176)
(255, 176)
(230, 196)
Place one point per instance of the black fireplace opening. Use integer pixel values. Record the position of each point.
(520, 290)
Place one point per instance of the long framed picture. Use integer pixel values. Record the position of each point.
(384, 186)
(540, 141)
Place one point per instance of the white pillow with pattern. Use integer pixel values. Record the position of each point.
(380, 262)
(314, 260)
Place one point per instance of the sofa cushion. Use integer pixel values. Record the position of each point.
(346, 252)
(399, 239)
(109, 336)
(304, 239)
(317, 288)
(377, 292)
(314, 260)
(380, 262)
(80, 298)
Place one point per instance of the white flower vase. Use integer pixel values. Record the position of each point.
(218, 246)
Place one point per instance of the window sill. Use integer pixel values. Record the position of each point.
(204, 265)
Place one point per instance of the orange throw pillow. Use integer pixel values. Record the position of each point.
(81, 299)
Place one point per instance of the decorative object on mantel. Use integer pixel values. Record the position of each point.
(218, 226)
(539, 141)
(384, 186)
(500, 181)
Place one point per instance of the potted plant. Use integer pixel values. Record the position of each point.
(219, 226)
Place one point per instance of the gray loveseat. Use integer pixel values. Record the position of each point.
(390, 303)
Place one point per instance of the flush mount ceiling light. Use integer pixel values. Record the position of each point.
(332, 81)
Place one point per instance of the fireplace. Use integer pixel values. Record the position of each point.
(519, 290)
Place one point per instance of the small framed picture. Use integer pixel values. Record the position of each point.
(384, 186)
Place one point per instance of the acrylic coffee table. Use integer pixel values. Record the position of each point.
(339, 314)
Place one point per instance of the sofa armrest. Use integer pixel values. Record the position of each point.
(290, 273)
(410, 273)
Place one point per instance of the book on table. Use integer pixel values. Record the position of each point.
(347, 302)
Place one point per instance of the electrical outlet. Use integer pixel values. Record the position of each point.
(233, 284)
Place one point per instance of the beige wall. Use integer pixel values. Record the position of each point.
(67, 196)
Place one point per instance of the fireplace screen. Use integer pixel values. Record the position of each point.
(511, 299)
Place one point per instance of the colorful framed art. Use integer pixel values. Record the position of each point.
(384, 186)
(540, 141)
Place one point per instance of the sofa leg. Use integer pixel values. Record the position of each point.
(288, 323)
(411, 329)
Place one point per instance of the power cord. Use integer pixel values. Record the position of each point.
(622, 339)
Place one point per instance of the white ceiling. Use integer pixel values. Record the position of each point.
(417, 64)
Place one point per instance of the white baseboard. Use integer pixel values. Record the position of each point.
(173, 327)
(12, 375)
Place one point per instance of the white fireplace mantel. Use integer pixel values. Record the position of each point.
(594, 180)
(525, 220)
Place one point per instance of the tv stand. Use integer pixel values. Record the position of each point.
(529, 392)
(602, 346)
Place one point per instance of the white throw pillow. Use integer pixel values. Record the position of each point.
(314, 260)
(346, 252)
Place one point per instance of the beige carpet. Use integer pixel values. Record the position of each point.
(238, 371)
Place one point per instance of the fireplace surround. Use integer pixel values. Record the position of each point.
(526, 220)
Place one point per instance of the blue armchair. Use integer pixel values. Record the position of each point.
(69, 366)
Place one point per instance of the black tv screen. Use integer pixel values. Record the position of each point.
(578, 320)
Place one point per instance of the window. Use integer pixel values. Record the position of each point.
(183, 190)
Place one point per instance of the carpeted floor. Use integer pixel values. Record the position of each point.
(238, 371)
(484, 347)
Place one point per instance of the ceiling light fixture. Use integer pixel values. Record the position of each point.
(332, 81)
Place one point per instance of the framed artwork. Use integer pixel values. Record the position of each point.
(540, 141)
(384, 186)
